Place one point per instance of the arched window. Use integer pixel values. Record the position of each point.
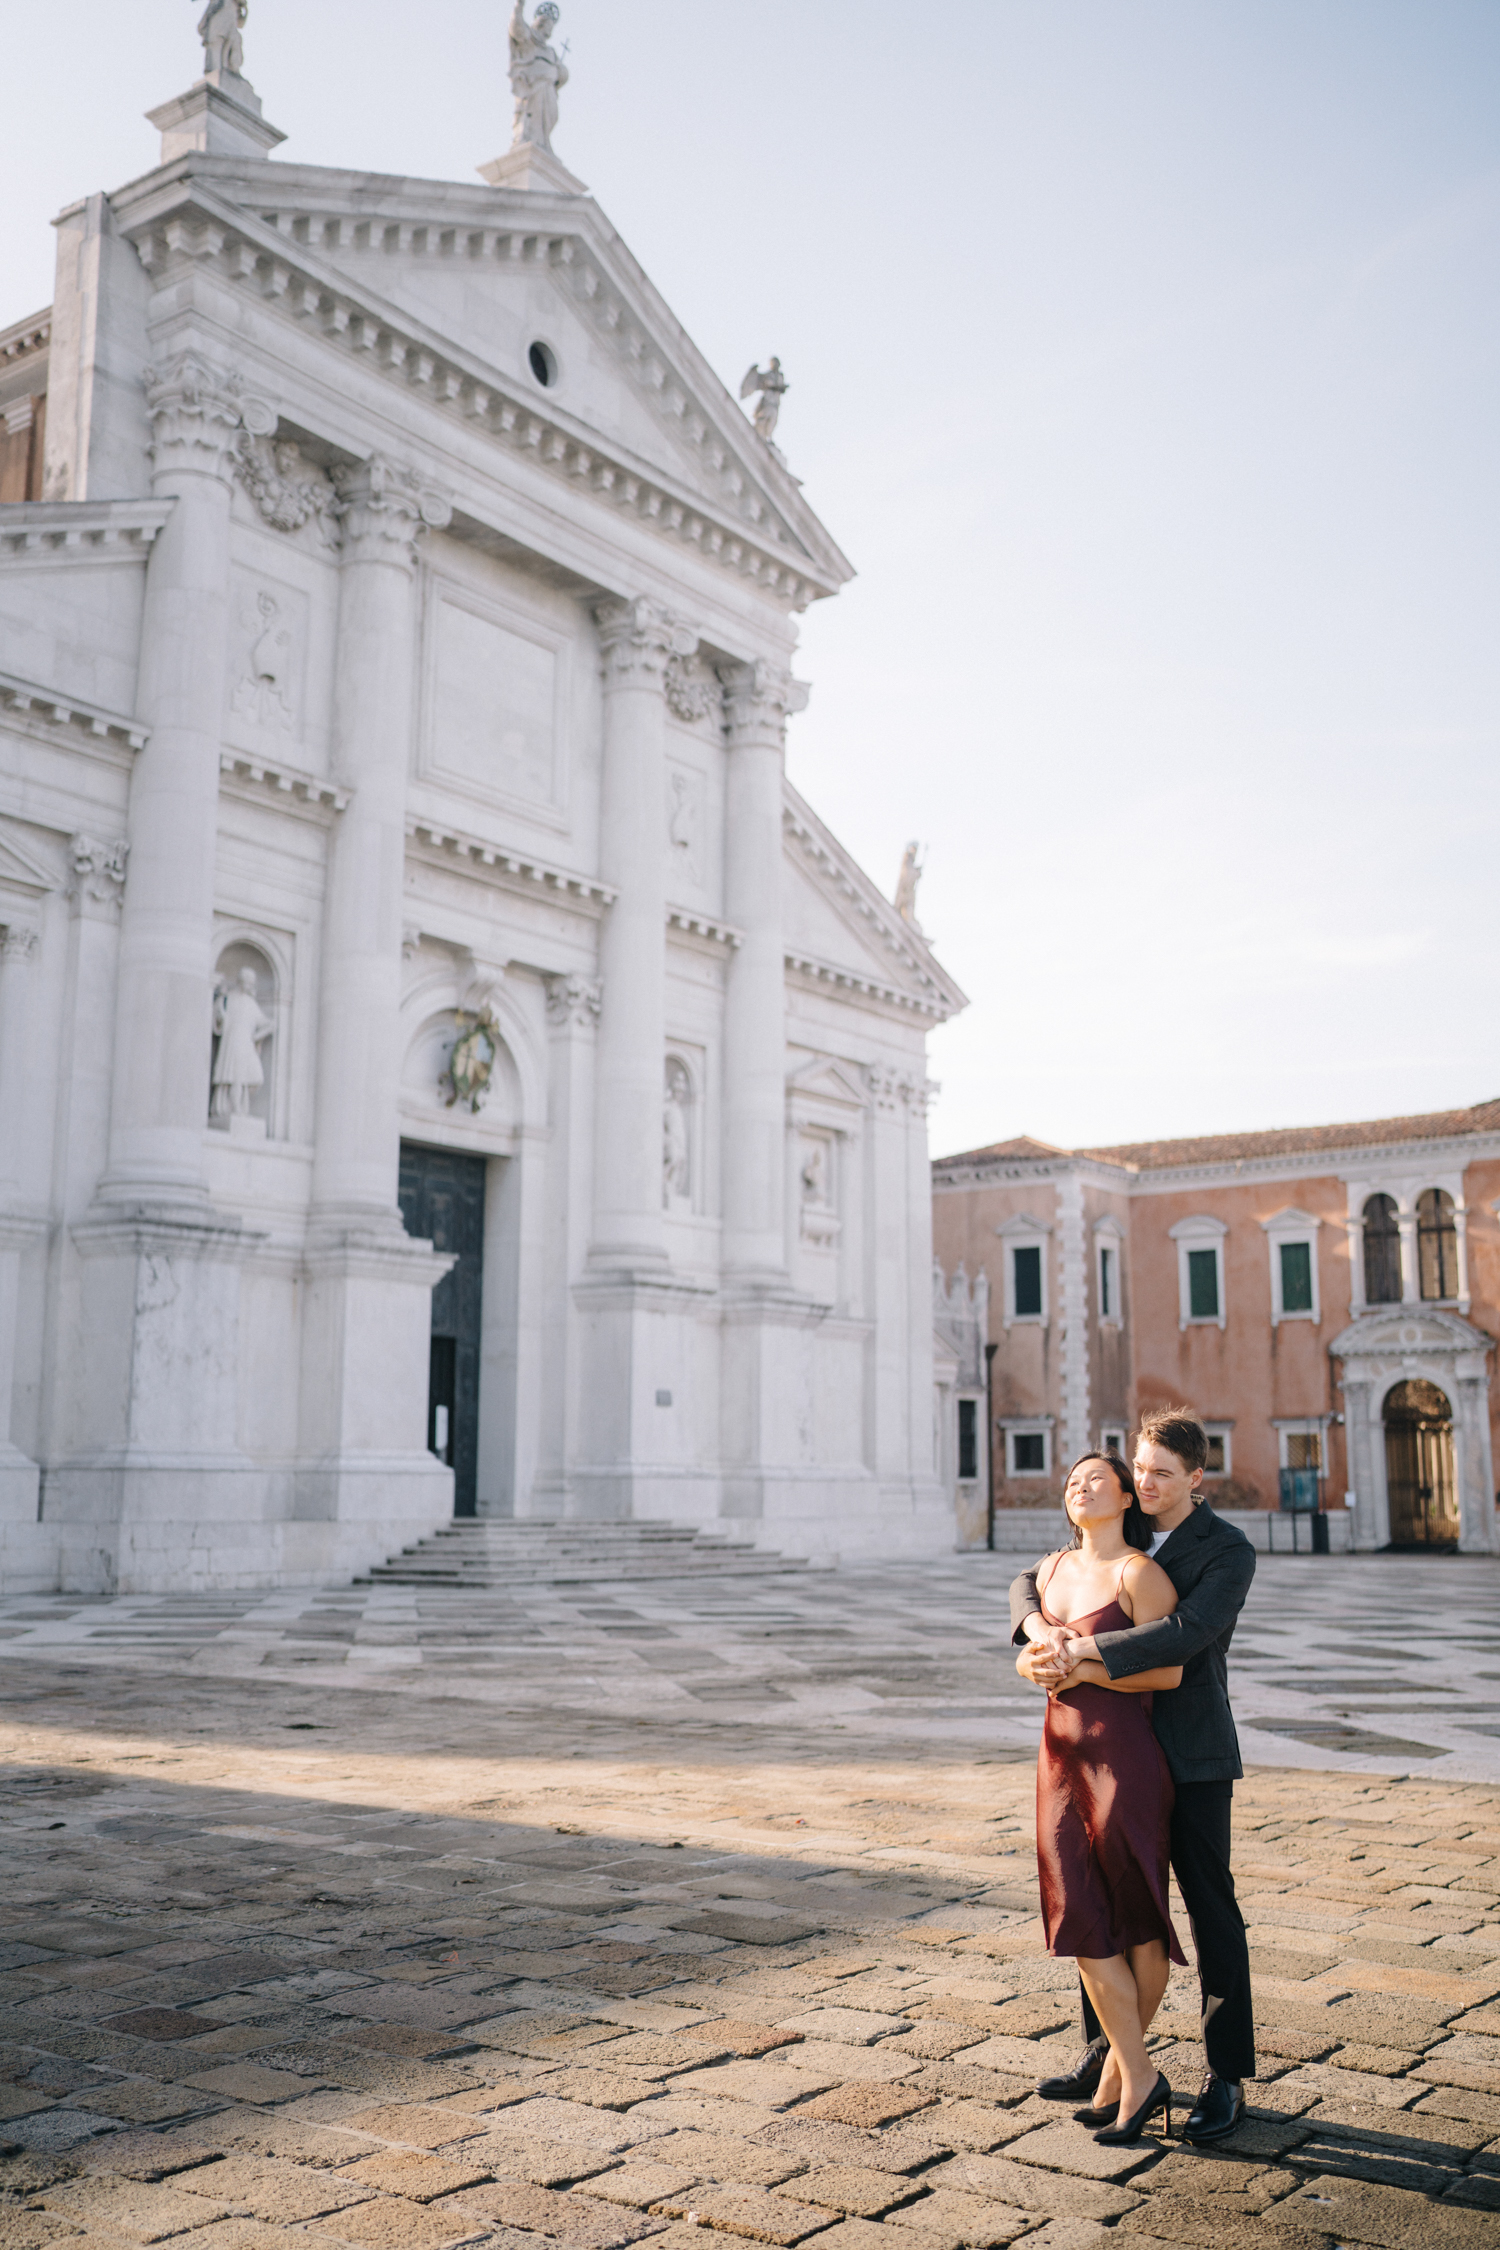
(1382, 1252)
(1437, 1244)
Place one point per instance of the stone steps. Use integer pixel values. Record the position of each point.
(487, 1553)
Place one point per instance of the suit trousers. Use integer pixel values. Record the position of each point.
(1200, 1861)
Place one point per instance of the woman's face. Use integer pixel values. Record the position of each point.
(1094, 1494)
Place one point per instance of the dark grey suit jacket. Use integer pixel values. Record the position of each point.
(1211, 1565)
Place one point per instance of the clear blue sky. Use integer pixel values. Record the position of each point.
(1144, 358)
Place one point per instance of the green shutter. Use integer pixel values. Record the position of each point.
(1203, 1284)
(1028, 1282)
(1296, 1277)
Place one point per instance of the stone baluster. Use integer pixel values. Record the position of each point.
(638, 639)
(160, 1085)
(384, 510)
(758, 698)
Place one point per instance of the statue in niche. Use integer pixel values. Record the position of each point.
(906, 885)
(259, 695)
(676, 1160)
(241, 1026)
(219, 28)
(772, 387)
(537, 75)
(814, 1178)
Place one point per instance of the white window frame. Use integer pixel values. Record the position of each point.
(975, 1399)
(1285, 1228)
(1024, 1233)
(1306, 1425)
(1035, 1425)
(1109, 1236)
(1225, 1431)
(1201, 1232)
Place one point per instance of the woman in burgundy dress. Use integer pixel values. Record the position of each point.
(1104, 1793)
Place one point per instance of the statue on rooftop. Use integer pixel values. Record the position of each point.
(219, 29)
(537, 74)
(906, 885)
(772, 386)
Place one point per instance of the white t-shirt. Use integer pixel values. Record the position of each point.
(1159, 1540)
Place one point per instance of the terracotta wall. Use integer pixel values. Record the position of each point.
(1481, 1192)
(1247, 1373)
(1025, 1379)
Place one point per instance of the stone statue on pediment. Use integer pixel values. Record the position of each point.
(769, 387)
(219, 28)
(537, 75)
(906, 885)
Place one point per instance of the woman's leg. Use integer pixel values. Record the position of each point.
(1125, 2009)
(1150, 1968)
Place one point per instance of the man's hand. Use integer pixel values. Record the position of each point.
(1046, 1663)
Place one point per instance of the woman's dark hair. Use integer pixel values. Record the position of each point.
(1137, 1526)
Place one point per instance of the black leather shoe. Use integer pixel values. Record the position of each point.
(1104, 2113)
(1081, 2080)
(1219, 2108)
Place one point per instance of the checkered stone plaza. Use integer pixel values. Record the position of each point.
(589, 1910)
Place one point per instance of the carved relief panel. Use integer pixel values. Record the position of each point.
(268, 648)
(495, 687)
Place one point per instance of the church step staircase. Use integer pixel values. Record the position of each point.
(494, 1553)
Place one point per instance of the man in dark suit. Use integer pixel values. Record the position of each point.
(1211, 1565)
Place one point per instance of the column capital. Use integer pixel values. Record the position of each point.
(573, 1002)
(98, 883)
(383, 508)
(759, 698)
(198, 411)
(639, 638)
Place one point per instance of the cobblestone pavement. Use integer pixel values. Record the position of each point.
(603, 1913)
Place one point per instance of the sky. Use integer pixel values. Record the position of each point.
(1143, 360)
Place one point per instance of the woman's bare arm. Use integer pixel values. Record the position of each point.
(1091, 1673)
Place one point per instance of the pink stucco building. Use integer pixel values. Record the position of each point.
(1327, 1298)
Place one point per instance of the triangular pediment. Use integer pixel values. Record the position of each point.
(444, 287)
(826, 1080)
(21, 872)
(839, 926)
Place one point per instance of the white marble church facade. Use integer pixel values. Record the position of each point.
(394, 673)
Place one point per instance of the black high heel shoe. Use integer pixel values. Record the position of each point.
(1160, 2096)
(1103, 2113)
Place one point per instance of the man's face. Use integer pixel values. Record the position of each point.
(1162, 1481)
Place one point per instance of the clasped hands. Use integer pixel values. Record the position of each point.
(1054, 1660)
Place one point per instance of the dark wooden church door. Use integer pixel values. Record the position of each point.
(442, 1200)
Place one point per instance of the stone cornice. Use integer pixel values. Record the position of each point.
(515, 870)
(288, 786)
(45, 711)
(810, 970)
(719, 935)
(74, 531)
(180, 220)
(24, 339)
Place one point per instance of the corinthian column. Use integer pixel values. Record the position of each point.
(758, 699)
(160, 1093)
(638, 639)
(357, 1153)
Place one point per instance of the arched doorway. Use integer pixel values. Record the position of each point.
(1421, 1480)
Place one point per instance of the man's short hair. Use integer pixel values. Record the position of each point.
(1178, 1429)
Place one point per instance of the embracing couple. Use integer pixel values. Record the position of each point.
(1128, 1630)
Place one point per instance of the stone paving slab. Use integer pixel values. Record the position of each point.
(400, 1965)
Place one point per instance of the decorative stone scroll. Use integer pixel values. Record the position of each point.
(18, 941)
(288, 490)
(692, 692)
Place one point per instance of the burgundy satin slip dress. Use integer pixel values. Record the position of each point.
(1104, 1801)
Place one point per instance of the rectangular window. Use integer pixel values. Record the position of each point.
(1106, 1285)
(1203, 1284)
(1215, 1464)
(1112, 1441)
(1028, 1449)
(1027, 1281)
(1296, 1277)
(1304, 1450)
(968, 1439)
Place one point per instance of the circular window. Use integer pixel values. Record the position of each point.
(543, 363)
